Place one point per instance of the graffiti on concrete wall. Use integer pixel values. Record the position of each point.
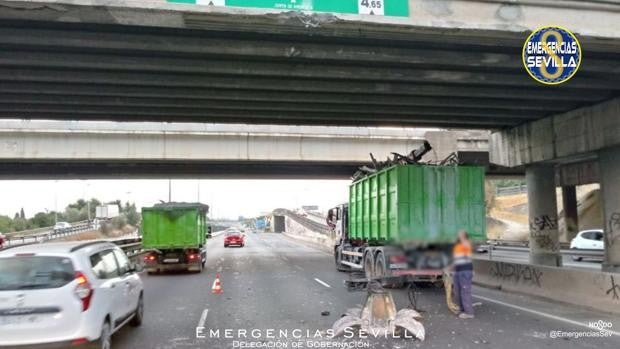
(517, 273)
(543, 222)
(540, 227)
(614, 290)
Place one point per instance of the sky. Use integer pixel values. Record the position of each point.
(227, 198)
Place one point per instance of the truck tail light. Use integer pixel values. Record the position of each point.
(192, 256)
(149, 258)
(83, 290)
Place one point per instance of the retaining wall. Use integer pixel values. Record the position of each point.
(590, 288)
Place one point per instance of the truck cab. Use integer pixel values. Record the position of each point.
(337, 220)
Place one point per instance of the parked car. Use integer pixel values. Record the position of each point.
(60, 227)
(67, 294)
(234, 238)
(588, 240)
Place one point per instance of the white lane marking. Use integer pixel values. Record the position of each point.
(203, 318)
(322, 283)
(540, 313)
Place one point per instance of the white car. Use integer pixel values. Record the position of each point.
(67, 294)
(61, 226)
(588, 240)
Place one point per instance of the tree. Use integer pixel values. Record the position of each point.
(93, 207)
(78, 205)
(5, 223)
(19, 224)
(72, 214)
(131, 213)
(42, 219)
(22, 215)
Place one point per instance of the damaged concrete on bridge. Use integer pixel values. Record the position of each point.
(135, 61)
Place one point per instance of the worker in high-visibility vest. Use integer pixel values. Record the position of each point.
(463, 274)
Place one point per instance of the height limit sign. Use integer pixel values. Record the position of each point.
(370, 7)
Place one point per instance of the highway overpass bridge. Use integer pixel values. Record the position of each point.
(75, 149)
(439, 63)
(454, 64)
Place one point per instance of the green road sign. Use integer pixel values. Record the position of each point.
(362, 7)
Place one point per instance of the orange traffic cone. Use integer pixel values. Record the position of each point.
(217, 285)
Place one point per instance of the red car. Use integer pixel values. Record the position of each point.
(234, 238)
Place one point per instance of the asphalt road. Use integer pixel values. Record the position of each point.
(277, 283)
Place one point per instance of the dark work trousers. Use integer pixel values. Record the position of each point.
(462, 290)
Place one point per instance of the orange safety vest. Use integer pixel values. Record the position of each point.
(461, 253)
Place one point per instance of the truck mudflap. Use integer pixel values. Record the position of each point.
(173, 266)
(192, 260)
(417, 272)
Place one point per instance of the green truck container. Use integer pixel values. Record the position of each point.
(404, 219)
(418, 204)
(176, 235)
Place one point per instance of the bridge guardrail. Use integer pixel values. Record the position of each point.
(306, 222)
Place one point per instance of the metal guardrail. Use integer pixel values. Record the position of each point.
(45, 234)
(38, 231)
(133, 249)
(587, 253)
(523, 243)
(315, 214)
(517, 189)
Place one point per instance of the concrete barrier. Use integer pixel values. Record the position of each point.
(300, 233)
(588, 288)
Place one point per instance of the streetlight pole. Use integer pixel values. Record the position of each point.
(169, 190)
(198, 190)
(55, 202)
(87, 201)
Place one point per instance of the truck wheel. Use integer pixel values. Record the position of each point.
(369, 265)
(380, 268)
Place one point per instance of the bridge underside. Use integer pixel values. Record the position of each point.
(115, 169)
(280, 69)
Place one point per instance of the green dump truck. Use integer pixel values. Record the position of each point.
(175, 234)
(404, 219)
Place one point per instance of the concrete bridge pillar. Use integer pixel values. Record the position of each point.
(609, 168)
(543, 215)
(571, 215)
